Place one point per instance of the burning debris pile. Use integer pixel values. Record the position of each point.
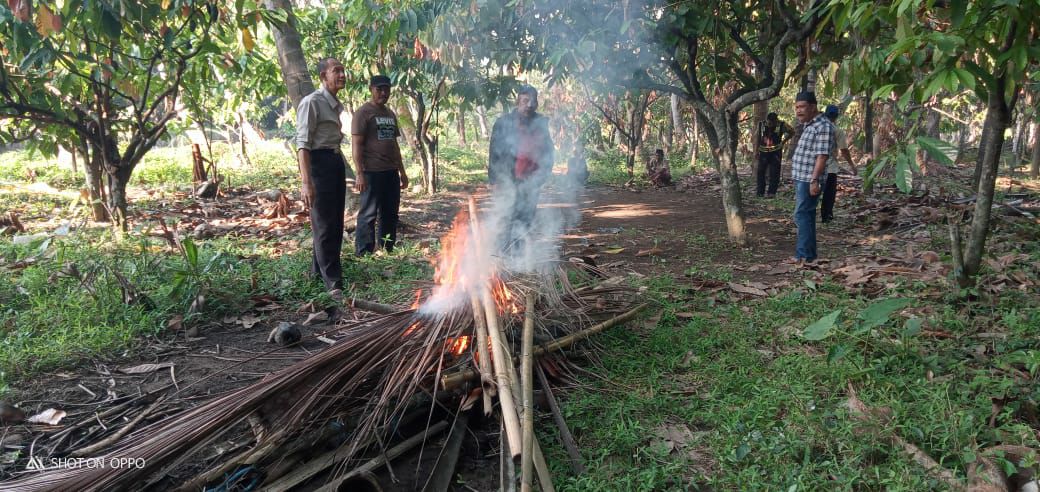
(385, 385)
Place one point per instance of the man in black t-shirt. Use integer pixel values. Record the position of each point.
(772, 134)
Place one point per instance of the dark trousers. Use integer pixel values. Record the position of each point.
(328, 174)
(522, 200)
(830, 193)
(768, 164)
(382, 199)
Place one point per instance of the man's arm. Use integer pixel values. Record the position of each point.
(494, 153)
(821, 147)
(305, 122)
(357, 149)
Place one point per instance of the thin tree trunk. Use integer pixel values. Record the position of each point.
(987, 130)
(998, 118)
(461, 126)
(962, 142)
(868, 126)
(94, 176)
(482, 122)
(677, 127)
(722, 133)
(291, 58)
(694, 143)
(1034, 166)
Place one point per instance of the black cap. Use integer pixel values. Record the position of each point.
(771, 117)
(809, 97)
(379, 80)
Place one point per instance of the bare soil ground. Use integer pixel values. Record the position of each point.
(648, 232)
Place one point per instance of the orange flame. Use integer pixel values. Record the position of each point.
(448, 273)
(504, 299)
(418, 299)
(411, 329)
(458, 345)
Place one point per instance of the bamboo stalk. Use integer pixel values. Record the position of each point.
(503, 374)
(479, 322)
(577, 464)
(507, 471)
(390, 454)
(120, 433)
(440, 479)
(456, 379)
(527, 388)
(483, 358)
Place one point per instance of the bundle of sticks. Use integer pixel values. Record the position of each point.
(367, 382)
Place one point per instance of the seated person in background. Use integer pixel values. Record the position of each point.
(657, 170)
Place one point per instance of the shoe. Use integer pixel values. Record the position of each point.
(771, 195)
(336, 295)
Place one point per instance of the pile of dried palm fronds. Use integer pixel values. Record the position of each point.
(365, 383)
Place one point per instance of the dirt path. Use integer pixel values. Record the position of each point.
(665, 231)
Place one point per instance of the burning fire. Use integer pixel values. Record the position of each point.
(418, 299)
(458, 345)
(464, 266)
(448, 274)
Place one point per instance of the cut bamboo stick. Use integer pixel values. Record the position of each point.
(527, 388)
(455, 379)
(577, 464)
(390, 454)
(479, 322)
(483, 358)
(503, 374)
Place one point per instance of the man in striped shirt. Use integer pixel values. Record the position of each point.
(808, 164)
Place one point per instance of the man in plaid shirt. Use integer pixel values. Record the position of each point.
(808, 164)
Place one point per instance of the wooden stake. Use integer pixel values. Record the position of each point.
(526, 382)
(453, 380)
(479, 322)
(577, 464)
(483, 358)
(503, 363)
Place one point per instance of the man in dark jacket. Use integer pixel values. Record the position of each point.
(520, 159)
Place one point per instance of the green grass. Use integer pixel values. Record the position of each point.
(50, 319)
(768, 408)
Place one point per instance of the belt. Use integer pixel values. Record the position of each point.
(334, 151)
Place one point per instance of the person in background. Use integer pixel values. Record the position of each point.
(380, 170)
(830, 188)
(772, 134)
(657, 170)
(323, 172)
(808, 164)
(520, 159)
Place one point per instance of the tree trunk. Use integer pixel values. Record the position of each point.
(722, 133)
(962, 142)
(694, 143)
(731, 198)
(460, 121)
(761, 110)
(998, 118)
(482, 122)
(987, 131)
(95, 180)
(1034, 167)
(677, 126)
(290, 53)
(868, 126)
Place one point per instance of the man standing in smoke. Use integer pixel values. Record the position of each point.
(520, 159)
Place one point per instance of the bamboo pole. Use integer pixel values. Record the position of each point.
(503, 374)
(390, 454)
(455, 379)
(577, 464)
(483, 358)
(480, 323)
(527, 388)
